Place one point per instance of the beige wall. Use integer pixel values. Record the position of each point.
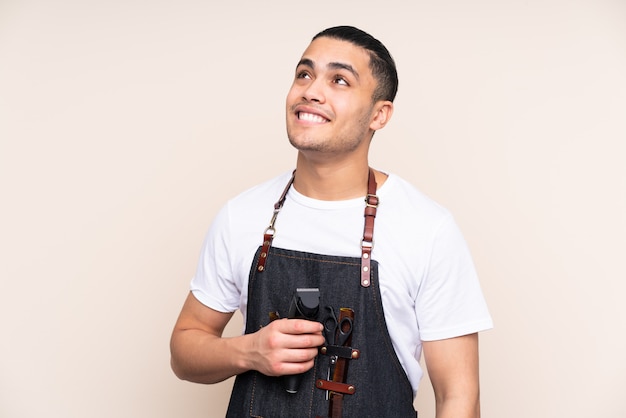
(124, 125)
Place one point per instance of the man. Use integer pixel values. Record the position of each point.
(391, 276)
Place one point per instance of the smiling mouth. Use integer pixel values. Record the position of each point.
(311, 117)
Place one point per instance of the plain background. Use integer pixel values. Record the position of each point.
(125, 125)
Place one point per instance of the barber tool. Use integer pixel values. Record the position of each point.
(338, 333)
(304, 305)
(337, 330)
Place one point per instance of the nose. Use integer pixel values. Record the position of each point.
(314, 91)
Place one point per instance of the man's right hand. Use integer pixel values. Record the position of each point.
(200, 354)
(285, 346)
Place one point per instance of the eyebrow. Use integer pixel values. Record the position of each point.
(332, 65)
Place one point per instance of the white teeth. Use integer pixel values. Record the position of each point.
(309, 117)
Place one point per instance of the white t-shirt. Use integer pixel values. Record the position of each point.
(428, 283)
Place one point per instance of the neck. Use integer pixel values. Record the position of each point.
(347, 180)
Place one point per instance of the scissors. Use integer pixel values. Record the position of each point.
(336, 331)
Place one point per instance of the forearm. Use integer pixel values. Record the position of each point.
(453, 370)
(200, 354)
(459, 407)
(204, 358)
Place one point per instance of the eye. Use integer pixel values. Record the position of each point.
(303, 74)
(341, 81)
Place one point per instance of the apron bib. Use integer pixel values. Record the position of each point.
(374, 383)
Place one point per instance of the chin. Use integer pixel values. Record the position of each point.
(306, 144)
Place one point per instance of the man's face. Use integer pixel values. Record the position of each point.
(329, 105)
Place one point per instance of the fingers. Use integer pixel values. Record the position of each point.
(290, 361)
(288, 346)
(296, 361)
(294, 334)
(298, 326)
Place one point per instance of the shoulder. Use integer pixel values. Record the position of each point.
(400, 197)
(260, 196)
(245, 216)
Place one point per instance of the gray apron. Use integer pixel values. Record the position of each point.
(374, 383)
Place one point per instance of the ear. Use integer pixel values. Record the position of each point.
(382, 113)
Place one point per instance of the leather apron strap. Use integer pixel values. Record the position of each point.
(367, 242)
(268, 235)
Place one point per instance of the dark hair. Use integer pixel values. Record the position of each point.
(381, 63)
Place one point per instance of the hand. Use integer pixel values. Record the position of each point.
(285, 346)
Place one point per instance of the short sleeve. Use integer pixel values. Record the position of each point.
(449, 301)
(214, 283)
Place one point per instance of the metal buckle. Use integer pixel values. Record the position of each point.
(372, 196)
(367, 244)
